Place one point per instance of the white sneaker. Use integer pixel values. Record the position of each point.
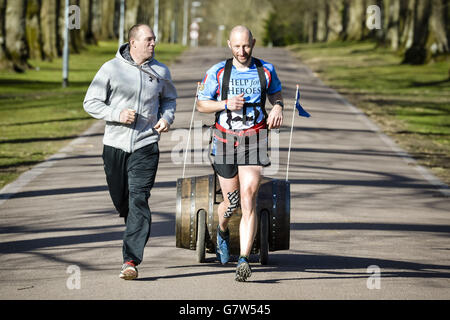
(129, 271)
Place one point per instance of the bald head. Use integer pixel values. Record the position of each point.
(241, 43)
(241, 31)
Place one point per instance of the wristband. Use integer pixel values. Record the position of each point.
(226, 101)
(280, 103)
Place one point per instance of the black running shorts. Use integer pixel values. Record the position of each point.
(238, 151)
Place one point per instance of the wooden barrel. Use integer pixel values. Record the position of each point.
(274, 196)
(203, 193)
(193, 195)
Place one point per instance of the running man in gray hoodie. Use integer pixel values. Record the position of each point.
(135, 95)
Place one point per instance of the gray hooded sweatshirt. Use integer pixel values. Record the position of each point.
(122, 84)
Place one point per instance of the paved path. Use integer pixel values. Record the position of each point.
(357, 201)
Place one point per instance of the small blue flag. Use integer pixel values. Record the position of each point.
(301, 112)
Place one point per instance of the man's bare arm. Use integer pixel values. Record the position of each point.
(275, 97)
(212, 106)
(275, 117)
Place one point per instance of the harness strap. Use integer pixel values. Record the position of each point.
(251, 104)
(221, 133)
(263, 83)
(245, 132)
(226, 86)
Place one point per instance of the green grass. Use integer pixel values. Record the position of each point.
(38, 116)
(410, 103)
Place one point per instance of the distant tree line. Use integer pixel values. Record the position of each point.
(33, 29)
(417, 29)
(229, 13)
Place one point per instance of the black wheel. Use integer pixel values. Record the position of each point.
(264, 237)
(201, 235)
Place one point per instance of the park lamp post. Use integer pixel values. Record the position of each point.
(185, 22)
(65, 71)
(194, 33)
(219, 34)
(194, 6)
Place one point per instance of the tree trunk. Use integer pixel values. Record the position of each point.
(96, 18)
(356, 24)
(87, 33)
(59, 26)
(48, 29)
(437, 42)
(131, 14)
(76, 35)
(393, 24)
(312, 25)
(33, 29)
(16, 41)
(107, 19)
(5, 57)
(322, 17)
(380, 34)
(447, 19)
(408, 25)
(116, 22)
(307, 22)
(336, 20)
(146, 12)
(171, 20)
(165, 17)
(417, 53)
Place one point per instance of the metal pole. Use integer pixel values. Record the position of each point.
(190, 128)
(65, 71)
(290, 138)
(174, 23)
(185, 22)
(219, 36)
(156, 19)
(121, 22)
(172, 31)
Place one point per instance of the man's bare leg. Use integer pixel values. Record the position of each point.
(227, 186)
(249, 178)
(230, 190)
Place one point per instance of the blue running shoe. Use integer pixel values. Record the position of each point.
(223, 244)
(243, 270)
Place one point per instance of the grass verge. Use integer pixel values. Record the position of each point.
(410, 103)
(38, 116)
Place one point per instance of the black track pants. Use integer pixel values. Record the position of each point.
(130, 177)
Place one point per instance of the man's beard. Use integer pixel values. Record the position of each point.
(247, 58)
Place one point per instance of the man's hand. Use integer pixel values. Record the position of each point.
(127, 116)
(236, 102)
(275, 118)
(162, 126)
